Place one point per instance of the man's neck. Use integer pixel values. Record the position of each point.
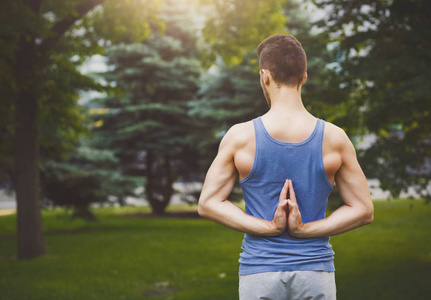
(287, 102)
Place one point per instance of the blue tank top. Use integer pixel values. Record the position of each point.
(274, 162)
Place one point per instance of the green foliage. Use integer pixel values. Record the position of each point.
(126, 20)
(234, 27)
(87, 176)
(62, 119)
(230, 95)
(383, 50)
(64, 34)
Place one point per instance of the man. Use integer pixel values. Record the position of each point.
(286, 251)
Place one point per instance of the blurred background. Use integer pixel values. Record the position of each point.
(122, 105)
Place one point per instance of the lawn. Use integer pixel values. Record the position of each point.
(126, 255)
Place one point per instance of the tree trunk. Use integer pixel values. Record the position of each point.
(26, 157)
(83, 211)
(28, 70)
(159, 182)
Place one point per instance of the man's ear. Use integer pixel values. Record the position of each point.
(304, 79)
(265, 74)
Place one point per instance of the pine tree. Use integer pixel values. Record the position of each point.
(147, 123)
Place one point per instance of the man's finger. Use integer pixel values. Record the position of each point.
(283, 194)
(292, 195)
(291, 204)
(283, 204)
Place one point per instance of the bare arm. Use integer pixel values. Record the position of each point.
(219, 182)
(357, 209)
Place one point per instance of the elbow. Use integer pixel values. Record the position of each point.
(368, 216)
(206, 208)
(202, 210)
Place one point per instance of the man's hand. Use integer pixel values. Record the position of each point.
(294, 220)
(279, 222)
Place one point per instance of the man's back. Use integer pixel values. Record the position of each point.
(289, 130)
(301, 161)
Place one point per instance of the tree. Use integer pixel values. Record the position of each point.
(148, 125)
(35, 35)
(88, 176)
(383, 50)
(160, 77)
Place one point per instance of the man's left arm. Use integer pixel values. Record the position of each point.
(219, 182)
(356, 211)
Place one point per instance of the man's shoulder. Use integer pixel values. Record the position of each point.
(335, 136)
(333, 129)
(239, 134)
(242, 128)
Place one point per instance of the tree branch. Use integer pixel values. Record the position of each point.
(60, 28)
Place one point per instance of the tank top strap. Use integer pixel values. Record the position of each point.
(320, 131)
(259, 130)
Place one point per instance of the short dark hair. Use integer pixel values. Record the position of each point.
(283, 56)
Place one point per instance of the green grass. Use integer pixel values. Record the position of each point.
(389, 259)
(130, 257)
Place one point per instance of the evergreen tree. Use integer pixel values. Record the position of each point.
(147, 124)
(87, 176)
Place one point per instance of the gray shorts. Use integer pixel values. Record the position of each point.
(288, 285)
